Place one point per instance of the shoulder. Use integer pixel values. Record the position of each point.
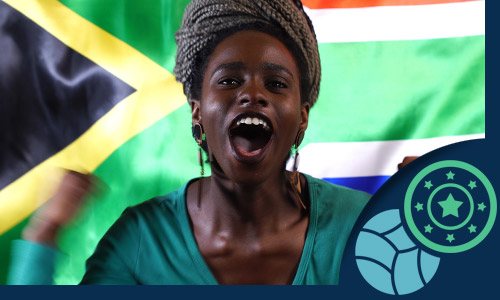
(141, 232)
(165, 207)
(340, 197)
(334, 211)
(336, 206)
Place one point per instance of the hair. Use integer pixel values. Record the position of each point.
(207, 22)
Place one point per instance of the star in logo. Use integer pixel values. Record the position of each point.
(428, 185)
(428, 228)
(450, 206)
(450, 238)
(481, 206)
(450, 175)
(472, 184)
(472, 228)
(419, 206)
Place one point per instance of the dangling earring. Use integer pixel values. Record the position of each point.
(199, 137)
(295, 173)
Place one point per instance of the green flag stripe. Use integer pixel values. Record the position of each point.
(414, 80)
(400, 90)
(148, 26)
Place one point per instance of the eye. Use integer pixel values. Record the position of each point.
(276, 84)
(228, 82)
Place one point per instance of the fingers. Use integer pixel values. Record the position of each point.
(68, 198)
(72, 192)
(407, 160)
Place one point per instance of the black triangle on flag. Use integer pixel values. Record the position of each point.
(49, 94)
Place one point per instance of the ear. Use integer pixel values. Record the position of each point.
(304, 121)
(304, 114)
(195, 111)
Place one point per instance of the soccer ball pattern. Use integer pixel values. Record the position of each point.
(388, 260)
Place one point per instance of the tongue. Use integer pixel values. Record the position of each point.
(245, 144)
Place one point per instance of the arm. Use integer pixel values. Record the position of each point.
(31, 263)
(113, 261)
(54, 215)
(33, 258)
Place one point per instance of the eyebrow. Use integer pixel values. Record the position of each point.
(238, 65)
(277, 68)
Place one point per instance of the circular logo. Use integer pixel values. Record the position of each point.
(450, 206)
(388, 260)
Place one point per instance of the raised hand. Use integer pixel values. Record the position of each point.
(61, 209)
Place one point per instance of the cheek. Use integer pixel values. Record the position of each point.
(213, 118)
(291, 115)
(213, 100)
(211, 109)
(289, 122)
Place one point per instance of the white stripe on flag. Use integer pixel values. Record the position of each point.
(403, 22)
(355, 159)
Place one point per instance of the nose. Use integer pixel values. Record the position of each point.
(253, 93)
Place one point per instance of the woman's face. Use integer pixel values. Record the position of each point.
(250, 106)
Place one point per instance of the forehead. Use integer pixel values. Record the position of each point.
(253, 49)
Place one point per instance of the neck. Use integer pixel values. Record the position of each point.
(263, 206)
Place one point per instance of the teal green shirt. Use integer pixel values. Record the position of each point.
(153, 243)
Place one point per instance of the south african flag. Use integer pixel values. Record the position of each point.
(88, 85)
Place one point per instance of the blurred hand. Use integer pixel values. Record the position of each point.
(56, 213)
(406, 161)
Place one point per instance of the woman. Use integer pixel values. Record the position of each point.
(250, 71)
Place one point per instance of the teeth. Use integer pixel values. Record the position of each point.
(254, 121)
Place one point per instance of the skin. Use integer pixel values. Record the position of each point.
(406, 161)
(48, 221)
(248, 227)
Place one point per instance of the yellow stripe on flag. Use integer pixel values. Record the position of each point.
(157, 94)
(107, 51)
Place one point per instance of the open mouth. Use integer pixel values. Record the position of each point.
(250, 135)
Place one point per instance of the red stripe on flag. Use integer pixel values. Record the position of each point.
(315, 4)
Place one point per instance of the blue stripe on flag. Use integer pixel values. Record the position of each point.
(369, 184)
